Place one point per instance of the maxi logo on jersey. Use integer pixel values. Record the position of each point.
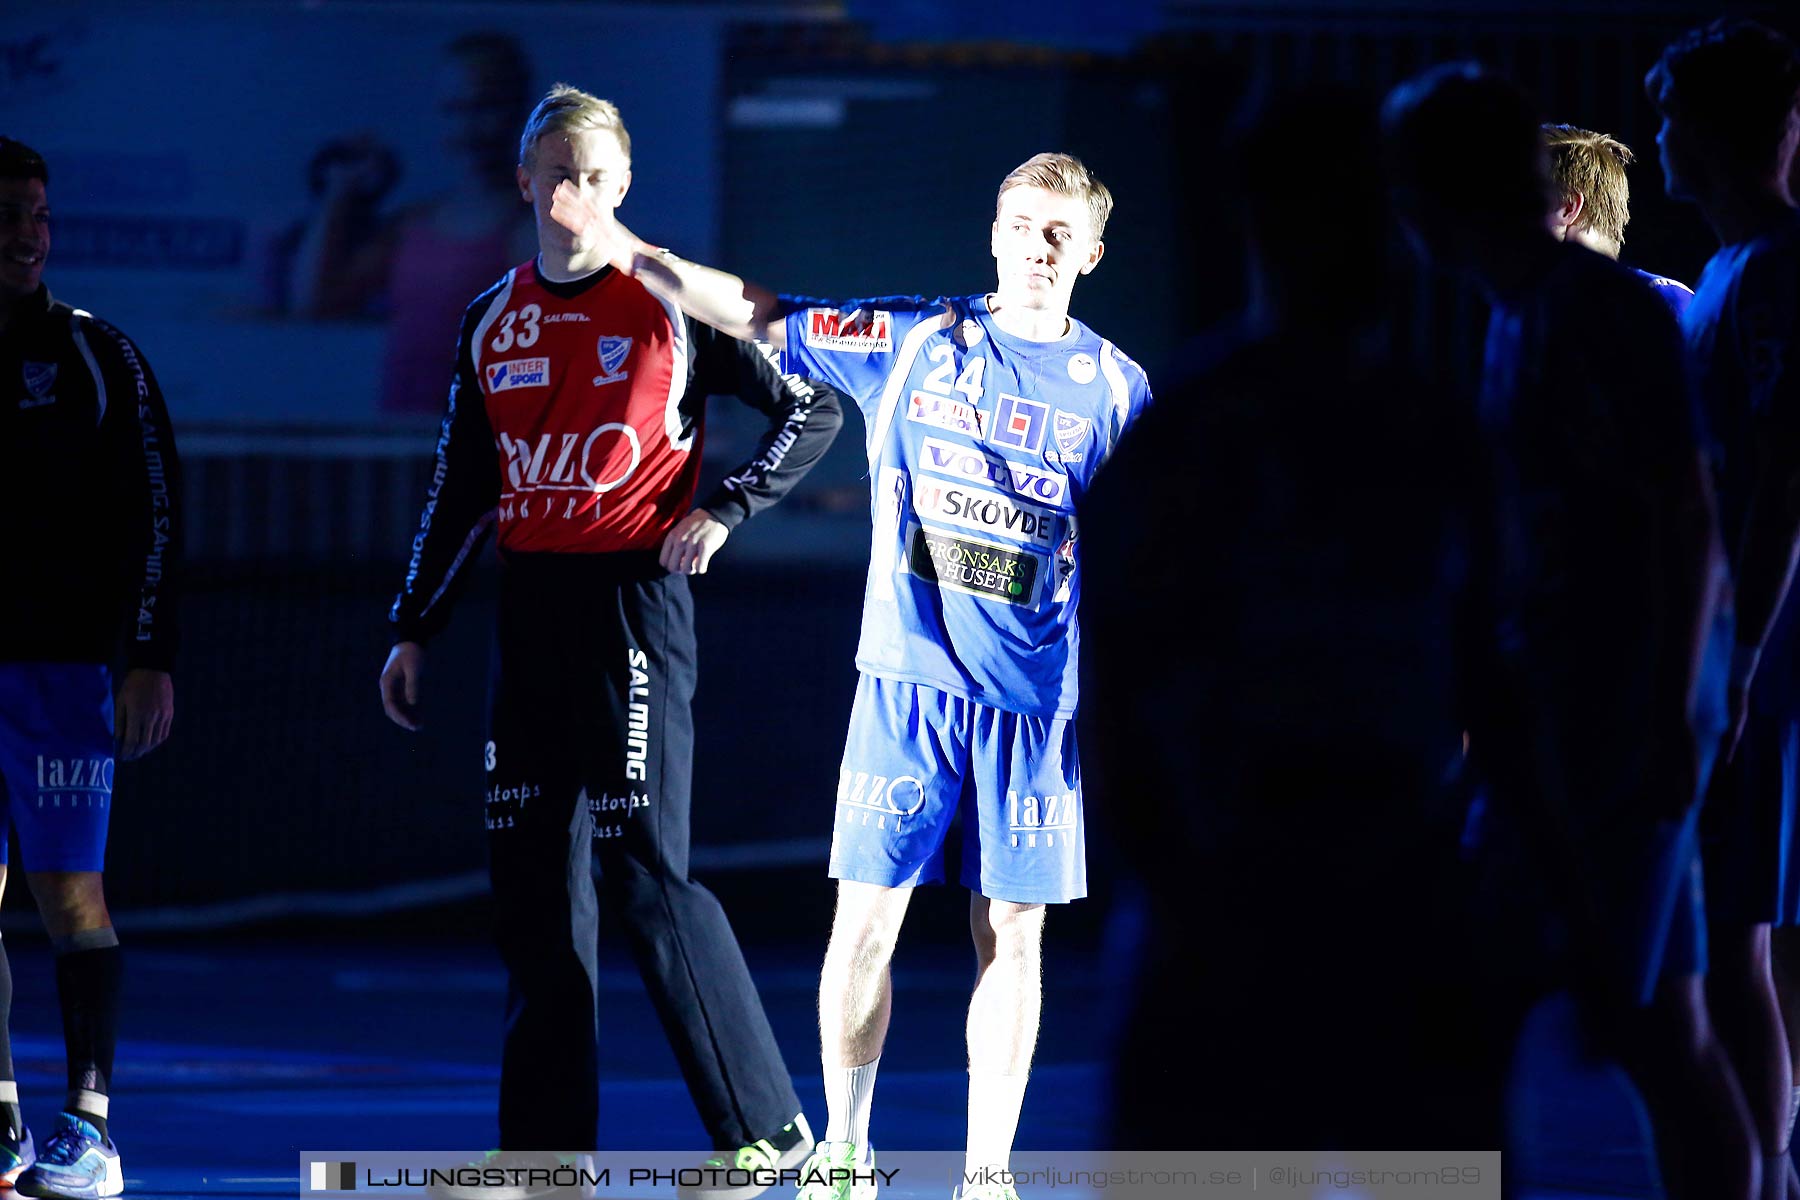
(1033, 484)
(986, 512)
(597, 461)
(1004, 574)
(518, 373)
(858, 332)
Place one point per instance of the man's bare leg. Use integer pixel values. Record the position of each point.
(1741, 992)
(1705, 1139)
(856, 997)
(1784, 946)
(1003, 1023)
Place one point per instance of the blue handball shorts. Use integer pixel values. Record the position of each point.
(915, 757)
(56, 763)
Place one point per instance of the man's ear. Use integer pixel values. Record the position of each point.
(624, 186)
(1094, 258)
(1568, 210)
(524, 178)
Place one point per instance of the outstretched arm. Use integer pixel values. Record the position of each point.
(718, 298)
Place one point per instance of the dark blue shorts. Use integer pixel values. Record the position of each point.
(56, 763)
(1751, 825)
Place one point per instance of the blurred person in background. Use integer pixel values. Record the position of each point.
(424, 259)
(91, 486)
(359, 221)
(1591, 201)
(1607, 600)
(1728, 94)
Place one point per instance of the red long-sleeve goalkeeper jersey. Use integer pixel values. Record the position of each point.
(574, 427)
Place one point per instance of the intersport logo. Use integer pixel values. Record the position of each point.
(1035, 484)
(518, 373)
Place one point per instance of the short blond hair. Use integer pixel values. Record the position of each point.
(1593, 165)
(564, 109)
(1065, 175)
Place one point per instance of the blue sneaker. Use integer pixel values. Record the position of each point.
(15, 1157)
(76, 1164)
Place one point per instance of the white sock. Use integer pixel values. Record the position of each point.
(849, 1094)
(86, 1101)
(994, 1103)
(9, 1091)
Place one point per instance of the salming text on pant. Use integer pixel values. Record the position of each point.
(589, 759)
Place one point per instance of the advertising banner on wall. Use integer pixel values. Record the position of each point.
(289, 205)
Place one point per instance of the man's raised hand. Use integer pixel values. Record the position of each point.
(591, 226)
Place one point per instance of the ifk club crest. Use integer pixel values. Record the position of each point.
(613, 353)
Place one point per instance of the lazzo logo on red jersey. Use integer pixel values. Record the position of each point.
(596, 462)
(518, 373)
(1027, 483)
(858, 331)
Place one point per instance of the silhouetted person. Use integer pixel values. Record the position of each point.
(1607, 599)
(1280, 673)
(1727, 94)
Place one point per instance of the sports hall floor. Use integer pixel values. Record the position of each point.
(239, 1049)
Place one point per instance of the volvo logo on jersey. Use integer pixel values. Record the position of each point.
(613, 353)
(1028, 483)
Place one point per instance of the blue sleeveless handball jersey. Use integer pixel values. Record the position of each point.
(980, 446)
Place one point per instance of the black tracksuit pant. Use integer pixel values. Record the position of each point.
(590, 761)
